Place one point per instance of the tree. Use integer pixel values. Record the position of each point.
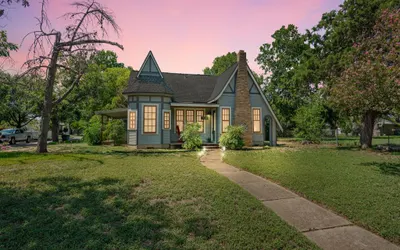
(19, 99)
(221, 64)
(289, 65)
(88, 26)
(310, 120)
(370, 85)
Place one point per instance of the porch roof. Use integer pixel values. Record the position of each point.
(197, 105)
(114, 113)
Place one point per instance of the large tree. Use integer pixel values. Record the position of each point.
(54, 50)
(370, 85)
(19, 99)
(221, 64)
(289, 65)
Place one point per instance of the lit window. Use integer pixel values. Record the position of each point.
(167, 119)
(179, 119)
(226, 119)
(200, 119)
(150, 119)
(256, 120)
(132, 120)
(189, 116)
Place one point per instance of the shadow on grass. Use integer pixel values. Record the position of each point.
(121, 153)
(71, 213)
(389, 168)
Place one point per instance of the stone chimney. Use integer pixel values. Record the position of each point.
(242, 100)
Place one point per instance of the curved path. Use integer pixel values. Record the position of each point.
(326, 229)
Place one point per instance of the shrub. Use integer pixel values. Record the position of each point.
(115, 131)
(92, 133)
(191, 136)
(310, 121)
(233, 138)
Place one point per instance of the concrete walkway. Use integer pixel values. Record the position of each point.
(326, 229)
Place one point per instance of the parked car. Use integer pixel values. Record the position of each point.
(15, 135)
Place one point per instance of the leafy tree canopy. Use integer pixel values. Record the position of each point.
(221, 64)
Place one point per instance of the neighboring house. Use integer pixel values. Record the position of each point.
(386, 127)
(161, 104)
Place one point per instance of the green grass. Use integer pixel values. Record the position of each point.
(351, 141)
(82, 197)
(361, 185)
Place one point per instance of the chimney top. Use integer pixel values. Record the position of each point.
(241, 56)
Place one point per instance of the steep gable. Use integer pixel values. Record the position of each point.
(150, 67)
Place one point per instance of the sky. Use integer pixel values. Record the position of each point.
(184, 35)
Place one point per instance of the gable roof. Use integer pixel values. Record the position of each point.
(222, 81)
(189, 88)
(149, 61)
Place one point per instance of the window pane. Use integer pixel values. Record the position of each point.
(256, 120)
(189, 116)
(226, 119)
(166, 120)
(132, 120)
(200, 120)
(150, 119)
(179, 119)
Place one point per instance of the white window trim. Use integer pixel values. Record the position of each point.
(230, 118)
(170, 118)
(157, 118)
(136, 119)
(252, 120)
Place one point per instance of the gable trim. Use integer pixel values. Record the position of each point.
(150, 54)
(264, 98)
(226, 85)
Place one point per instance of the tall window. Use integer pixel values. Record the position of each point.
(132, 120)
(226, 119)
(189, 116)
(256, 120)
(200, 119)
(179, 119)
(150, 119)
(167, 120)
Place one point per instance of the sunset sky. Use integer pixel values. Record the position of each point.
(185, 36)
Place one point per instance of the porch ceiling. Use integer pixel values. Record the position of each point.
(114, 113)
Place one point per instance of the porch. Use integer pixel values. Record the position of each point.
(205, 114)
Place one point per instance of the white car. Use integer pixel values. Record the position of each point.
(13, 136)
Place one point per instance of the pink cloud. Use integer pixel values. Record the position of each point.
(186, 36)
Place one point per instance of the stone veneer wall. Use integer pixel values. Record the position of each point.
(242, 99)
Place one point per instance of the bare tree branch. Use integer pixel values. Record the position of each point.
(76, 43)
(75, 83)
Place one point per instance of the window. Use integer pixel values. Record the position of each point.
(226, 119)
(256, 120)
(179, 119)
(189, 116)
(132, 120)
(167, 120)
(150, 119)
(200, 119)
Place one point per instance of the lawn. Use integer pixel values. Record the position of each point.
(82, 197)
(364, 186)
(351, 141)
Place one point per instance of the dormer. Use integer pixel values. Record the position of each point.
(150, 67)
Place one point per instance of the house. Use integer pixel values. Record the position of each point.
(161, 104)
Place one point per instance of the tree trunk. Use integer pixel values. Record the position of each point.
(48, 97)
(54, 128)
(367, 129)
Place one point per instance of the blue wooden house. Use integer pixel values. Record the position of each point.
(161, 104)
